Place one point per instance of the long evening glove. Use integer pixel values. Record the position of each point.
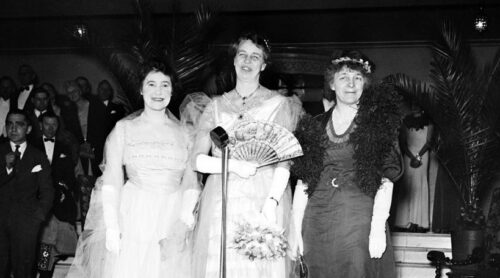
(381, 206)
(278, 186)
(212, 165)
(298, 207)
(110, 215)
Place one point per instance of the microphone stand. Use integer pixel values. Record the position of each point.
(221, 139)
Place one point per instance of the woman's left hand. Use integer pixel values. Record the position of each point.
(269, 210)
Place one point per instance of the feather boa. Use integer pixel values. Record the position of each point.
(378, 121)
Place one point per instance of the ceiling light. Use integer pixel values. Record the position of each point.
(481, 21)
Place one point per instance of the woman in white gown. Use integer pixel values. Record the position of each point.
(135, 231)
(252, 192)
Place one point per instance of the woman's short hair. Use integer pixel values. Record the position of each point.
(257, 39)
(155, 65)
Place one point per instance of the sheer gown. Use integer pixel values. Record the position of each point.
(245, 196)
(154, 157)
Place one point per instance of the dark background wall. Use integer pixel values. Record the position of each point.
(397, 35)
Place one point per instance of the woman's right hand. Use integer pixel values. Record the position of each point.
(242, 168)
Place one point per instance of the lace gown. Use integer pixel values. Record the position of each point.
(245, 196)
(155, 158)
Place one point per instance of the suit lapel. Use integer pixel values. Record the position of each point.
(25, 161)
(41, 145)
(57, 151)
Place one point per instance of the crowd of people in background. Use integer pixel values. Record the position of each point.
(69, 128)
(145, 177)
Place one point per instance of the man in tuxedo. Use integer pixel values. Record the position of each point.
(7, 91)
(40, 101)
(26, 196)
(114, 111)
(58, 235)
(27, 79)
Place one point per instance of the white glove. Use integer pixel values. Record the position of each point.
(278, 185)
(113, 241)
(189, 200)
(298, 207)
(213, 165)
(381, 206)
(110, 215)
(269, 210)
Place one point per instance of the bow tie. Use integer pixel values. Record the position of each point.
(49, 139)
(25, 88)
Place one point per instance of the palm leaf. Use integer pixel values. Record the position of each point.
(459, 98)
(189, 55)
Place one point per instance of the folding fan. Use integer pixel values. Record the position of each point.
(263, 143)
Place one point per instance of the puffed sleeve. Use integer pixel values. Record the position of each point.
(206, 121)
(202, 142)
(289, 113)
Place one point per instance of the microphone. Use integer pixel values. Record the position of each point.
(219, 137)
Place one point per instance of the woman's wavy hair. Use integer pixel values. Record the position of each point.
(356, 60)
(156, 65)
(257, 39)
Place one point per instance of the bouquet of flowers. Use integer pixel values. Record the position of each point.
(259, 240)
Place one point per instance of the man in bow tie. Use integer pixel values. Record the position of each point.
(58, 236)
(27, 79)
(26, 196)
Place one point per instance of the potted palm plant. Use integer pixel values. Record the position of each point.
(462, 100)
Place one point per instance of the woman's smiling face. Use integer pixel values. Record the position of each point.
(348, 85)
(156, 90)
(249, 60)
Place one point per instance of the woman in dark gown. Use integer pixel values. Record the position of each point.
(340, 210)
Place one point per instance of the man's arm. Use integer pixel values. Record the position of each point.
(7, 169)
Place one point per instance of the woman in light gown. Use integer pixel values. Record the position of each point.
(134, 228)
(252, 191)
(413, 208)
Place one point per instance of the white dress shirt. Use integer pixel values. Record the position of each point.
(38, 112)
(49, 148)
(23, 97)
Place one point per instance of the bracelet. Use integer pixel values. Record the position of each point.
(274, 199)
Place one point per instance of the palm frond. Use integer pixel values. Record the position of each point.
(459, 98)
(192, 54)
(189, 54)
